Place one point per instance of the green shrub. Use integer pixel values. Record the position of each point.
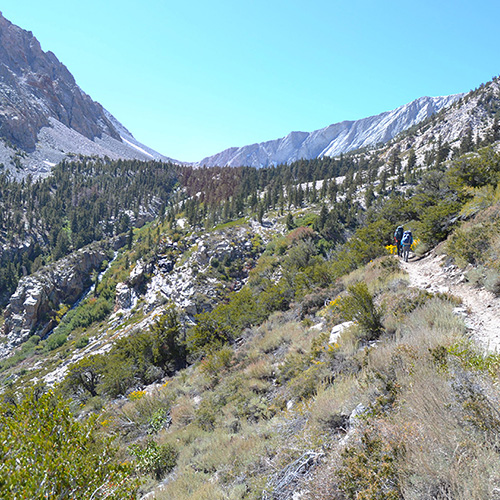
(482, 198)
(168, 350)
(468, 245)
(475, 169)
(475, 242)
(358, 306)
(294, 364)
(216, 362)
(205, 416)
(155, 459)
(55, 340)
(370, 471)
(436, 221)
(118, 375)
(207, 335)
(84, 376)
(306, 383)
(244, 309)
(33, 340)
(143, 357)
(159, 419)
(90, 311)
(47, 453)
(253, 408)
(366, 244)
(82, 342)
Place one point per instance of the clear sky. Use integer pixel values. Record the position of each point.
(190, 78)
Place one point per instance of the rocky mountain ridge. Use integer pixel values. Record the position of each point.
(334, 139)
(46, 117)
(470, 119)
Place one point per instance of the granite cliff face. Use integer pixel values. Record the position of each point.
(32, 307)
(45, 116)
(41, 87)
(334, 139)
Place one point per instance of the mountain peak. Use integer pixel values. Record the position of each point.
(334, 139)
(44, 115)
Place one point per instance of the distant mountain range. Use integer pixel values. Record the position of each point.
(334, 139)
(45, 116)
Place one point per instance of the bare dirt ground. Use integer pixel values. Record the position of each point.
(481, 307)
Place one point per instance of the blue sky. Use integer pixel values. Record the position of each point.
(192, 78)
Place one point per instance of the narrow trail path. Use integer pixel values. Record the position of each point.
(482, 308)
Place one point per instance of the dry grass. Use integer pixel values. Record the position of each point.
(272, 336)
(333, 404)
(260, 370)
(432, 325)
(443, 457)
(349, 340)
(446, 437)
(218, 463)
(377, 274)
(182, 412)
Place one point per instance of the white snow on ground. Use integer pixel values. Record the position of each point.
(136, 147)
(482, 308)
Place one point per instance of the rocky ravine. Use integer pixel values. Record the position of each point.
(31, 308)
(181, 273)
(482, 308)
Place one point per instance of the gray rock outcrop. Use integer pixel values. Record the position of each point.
(45, 116)
(38, 296)
(192, 273)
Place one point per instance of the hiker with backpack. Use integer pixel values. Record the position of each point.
(398, 235)
(406, 242)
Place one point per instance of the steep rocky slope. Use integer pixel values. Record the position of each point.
(195, 273)
(45, 116)
(334, 139)
(470, 120)
(32, 308)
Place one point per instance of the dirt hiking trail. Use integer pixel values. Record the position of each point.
(481, 309)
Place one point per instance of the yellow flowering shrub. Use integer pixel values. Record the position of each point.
(136, 395)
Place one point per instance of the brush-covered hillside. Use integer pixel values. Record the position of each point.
(241, 333)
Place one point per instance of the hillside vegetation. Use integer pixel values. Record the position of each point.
(307, 365)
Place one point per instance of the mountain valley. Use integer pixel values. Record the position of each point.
(245, 331)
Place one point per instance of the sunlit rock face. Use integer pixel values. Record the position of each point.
(334, 139)
(46, 117)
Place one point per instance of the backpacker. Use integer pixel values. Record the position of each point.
(398, 234)
(407, 238)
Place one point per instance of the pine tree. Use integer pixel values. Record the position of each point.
(496, 129)
(369, 196)
(412, 161)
